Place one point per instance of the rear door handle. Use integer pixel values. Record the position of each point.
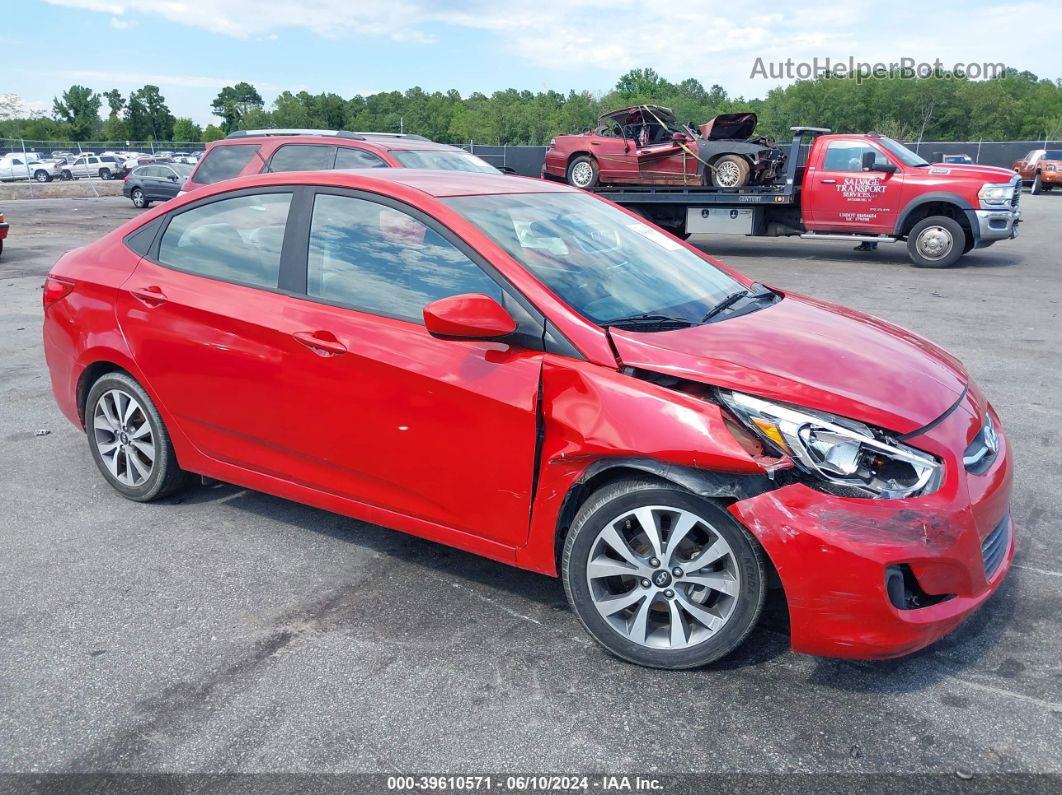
(595, 143)
(829, 181)
(151, 296)
(323, 343)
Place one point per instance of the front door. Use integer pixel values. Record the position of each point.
(202, 314)
(384, 413)
(841, 197)
(615, 155)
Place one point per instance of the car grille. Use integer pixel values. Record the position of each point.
(994, 547)
(1017, 194)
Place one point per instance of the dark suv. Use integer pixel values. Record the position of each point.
(248, 152)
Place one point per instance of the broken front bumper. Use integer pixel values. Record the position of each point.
(834, 554)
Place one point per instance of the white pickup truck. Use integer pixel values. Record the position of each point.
(27, 166)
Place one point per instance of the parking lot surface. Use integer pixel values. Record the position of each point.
(227, 630)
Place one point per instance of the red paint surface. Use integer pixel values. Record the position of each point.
(377, 419)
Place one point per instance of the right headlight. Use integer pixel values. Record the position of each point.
(837, 450)
(996, 193)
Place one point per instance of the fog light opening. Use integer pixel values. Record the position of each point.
(905, 592)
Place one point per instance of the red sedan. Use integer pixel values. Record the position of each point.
(525, 371)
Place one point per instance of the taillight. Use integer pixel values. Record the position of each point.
(56, 289)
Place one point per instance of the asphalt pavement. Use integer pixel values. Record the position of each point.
(226, 630)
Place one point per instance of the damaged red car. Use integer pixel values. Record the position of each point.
(527, 372)
(646, 145)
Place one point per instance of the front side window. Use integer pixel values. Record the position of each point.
(604, 264)
(302, 157)
(902, 153)
(234, 240)
(848, 156)
(349, 157)
(224, 162)
(381, 260)
(443, 160)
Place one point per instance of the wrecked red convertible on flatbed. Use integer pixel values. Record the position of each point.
(646, 145)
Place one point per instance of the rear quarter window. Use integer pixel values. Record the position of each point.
(351, 157)
(224, 162)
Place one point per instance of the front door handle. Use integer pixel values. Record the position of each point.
(323, 343)
(829, 181)
(151, 296)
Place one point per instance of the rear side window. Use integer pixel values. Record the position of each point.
(349, 157)
(381, 260)
(235, 240)
(302, 157)
(224, 162)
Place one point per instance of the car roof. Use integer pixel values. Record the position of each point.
(379, 142)
(435, 183)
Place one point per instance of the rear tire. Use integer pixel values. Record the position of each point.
(936, 242)
(129, 441)
(730, 171)
(66, 176)
(682, 600)
(42, 176)
(582, 172)
(105, 173)
(1037, 186)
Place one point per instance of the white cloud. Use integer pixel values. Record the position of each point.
(122, 24)
(162, 80)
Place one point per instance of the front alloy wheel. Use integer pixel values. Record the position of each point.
(662, 577)
(138, 198)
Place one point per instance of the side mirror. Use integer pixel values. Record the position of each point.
(870, 164)
(472, 316)
(506, 169)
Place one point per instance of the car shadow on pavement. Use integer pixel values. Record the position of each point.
(485, 577)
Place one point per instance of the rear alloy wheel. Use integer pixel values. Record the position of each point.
(139, 200)
(661, 577)
(105, 173)
(582, 172)
(128, 440)
(936, 242)
(42, 176)
(1037, 186)
(730, 171)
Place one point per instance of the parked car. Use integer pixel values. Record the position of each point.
(459, 357)
(1041, 169)
(960, 160)
(5, 227)
(645, 145)
(16, 166)
(255, 151)
(90, 165)
(153, 183)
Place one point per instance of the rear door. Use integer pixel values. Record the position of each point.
(384, 413)
(844, 198)
(203, 315)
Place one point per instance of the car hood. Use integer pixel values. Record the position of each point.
(729, 126)
(987, 173)
(812, 354)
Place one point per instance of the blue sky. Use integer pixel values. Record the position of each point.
(190, 48)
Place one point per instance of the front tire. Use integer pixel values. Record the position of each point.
(139, 200)
(936, 242)
(105, 173)
(129, 441)
(661, 577)
(731, 171)
(66, 176)
(583, 172)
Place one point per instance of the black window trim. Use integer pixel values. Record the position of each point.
(153, 252)
(269, 164)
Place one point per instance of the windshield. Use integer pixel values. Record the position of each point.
(1053, 154)
(182, 168)
(905, 155)
(604, 264)
(442, 160)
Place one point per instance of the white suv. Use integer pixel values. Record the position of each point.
(102, 166)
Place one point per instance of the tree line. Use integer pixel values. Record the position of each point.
(939, 107)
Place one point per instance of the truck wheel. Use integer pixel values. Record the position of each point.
(66, 176)
(105, 173)
(731, 171)
(1037, 186)
(936, 242)
(582, 172)
(42, 176)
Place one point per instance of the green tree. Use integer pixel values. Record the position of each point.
(233, 102)
(79, 107)
(212, 133)
(187, 130)
(115, 129)
(115, 101)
